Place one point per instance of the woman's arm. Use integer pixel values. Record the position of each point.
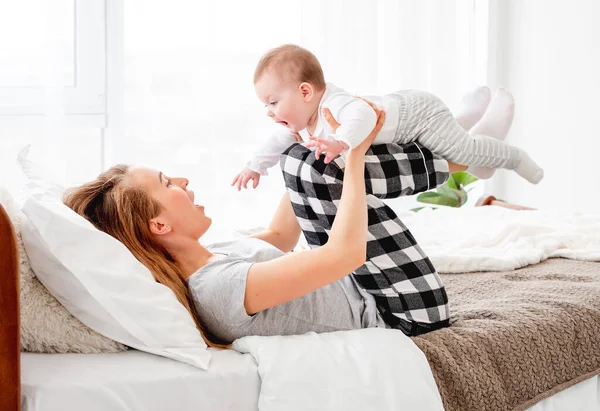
(283, 279)
(284, 230)
(357, 120)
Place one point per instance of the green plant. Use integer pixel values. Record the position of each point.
(451, 194)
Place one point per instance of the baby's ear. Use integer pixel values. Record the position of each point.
(307, 91)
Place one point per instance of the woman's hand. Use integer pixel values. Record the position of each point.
(367, 142)
(327, 144)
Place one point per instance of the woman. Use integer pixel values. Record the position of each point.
(255, 286)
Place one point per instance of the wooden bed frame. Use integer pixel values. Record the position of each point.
(10, 336)
(10, 339)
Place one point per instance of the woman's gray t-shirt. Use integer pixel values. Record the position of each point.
(218, 289)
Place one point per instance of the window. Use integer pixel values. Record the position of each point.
(52, 62)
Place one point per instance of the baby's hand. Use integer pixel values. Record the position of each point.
(329, 145)
(241, 180)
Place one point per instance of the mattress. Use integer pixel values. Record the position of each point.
(137, 381)
(134, 380)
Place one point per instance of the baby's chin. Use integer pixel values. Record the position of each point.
(295, 128)
(290, 127)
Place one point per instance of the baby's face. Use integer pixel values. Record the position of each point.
(283, 101)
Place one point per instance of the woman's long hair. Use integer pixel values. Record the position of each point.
(123, 211)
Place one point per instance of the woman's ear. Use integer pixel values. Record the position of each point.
(158, 227)
(306, 91)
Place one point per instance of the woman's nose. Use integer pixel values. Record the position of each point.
(183, 182)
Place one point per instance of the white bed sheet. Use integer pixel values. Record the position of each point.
(584, 396)
(134, 380)
(137, 381)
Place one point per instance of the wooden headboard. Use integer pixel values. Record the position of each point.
(10, 379)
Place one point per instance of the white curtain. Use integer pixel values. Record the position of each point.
(41, 90)
(189, 102)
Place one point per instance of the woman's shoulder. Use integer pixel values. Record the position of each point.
(238, 254)
(224, 268)
(240, 247)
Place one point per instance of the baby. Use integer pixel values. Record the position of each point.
(290, 82)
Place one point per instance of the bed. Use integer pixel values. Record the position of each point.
(476, 362)
(137, 380)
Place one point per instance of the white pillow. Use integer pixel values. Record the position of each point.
(102, 284)
(46, 326)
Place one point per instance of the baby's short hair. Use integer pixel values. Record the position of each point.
(292, 61)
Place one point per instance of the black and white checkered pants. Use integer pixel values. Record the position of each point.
(408, 292)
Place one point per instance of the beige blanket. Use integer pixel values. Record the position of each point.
(516, 337)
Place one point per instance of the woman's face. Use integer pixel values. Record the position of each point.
(179, 216)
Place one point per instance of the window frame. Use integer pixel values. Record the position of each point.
(84, 103)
